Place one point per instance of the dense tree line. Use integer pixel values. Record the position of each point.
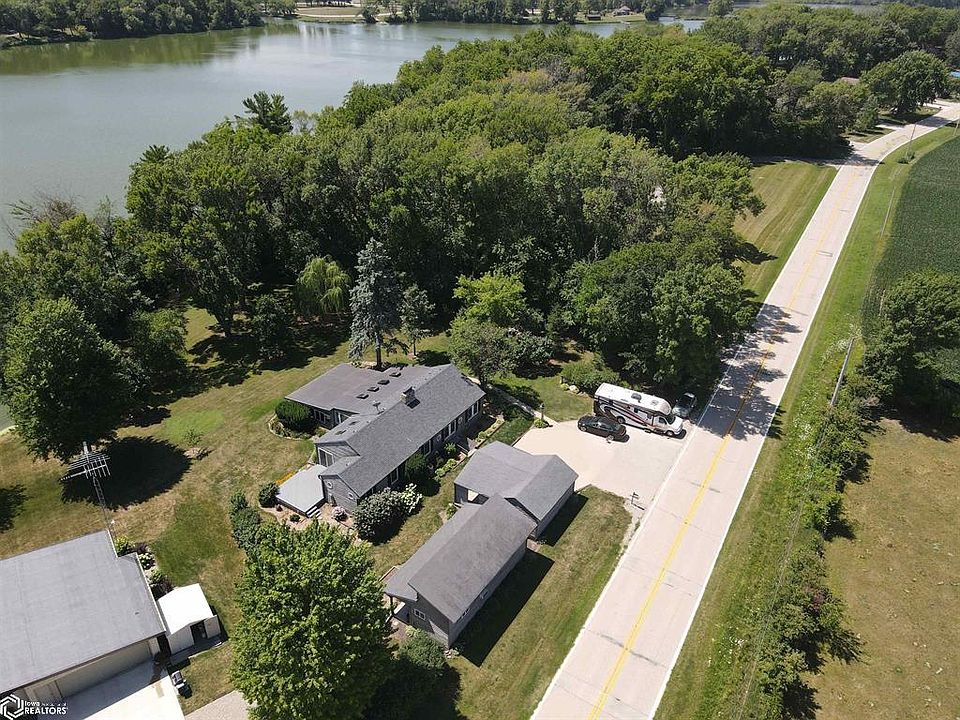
(591, 179)
(838, 41)
(123, 18)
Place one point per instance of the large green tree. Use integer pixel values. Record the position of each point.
(482, 347)
(311, 643)
(374, 301)
(63, 383)
(908, 81)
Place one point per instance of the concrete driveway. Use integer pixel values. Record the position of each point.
(137, 693)
(637, 465)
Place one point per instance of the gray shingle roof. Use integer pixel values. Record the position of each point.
(454, 566)
(340, 387)
(382, 441)
(537, 482)
(67, 604)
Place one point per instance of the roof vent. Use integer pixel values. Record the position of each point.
(383, 381)
(410, 396)
(395, 373)
(363, 396)
(376, 406)
(373, 388)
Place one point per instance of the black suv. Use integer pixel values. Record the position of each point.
(602, 426)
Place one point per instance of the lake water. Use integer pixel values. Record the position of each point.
(73, 117)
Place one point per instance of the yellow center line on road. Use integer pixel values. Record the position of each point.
(627, 646)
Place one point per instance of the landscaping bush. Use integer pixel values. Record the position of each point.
(445, 468)
(380, 516)
(267, 495)
(238, 501)
(450, 450)
(416, 673)
(244, 521)
(159, 584)
(146, 560)
(587, 376)
(123, 545)
(294, 416)
(411, 498)
(417, 469)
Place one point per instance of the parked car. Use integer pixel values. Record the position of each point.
(602, 426)
(685, 405)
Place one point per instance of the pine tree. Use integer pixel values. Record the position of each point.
(374, 300)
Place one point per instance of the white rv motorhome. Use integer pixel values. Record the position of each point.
(636, 408)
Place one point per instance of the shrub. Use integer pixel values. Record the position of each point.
(238, 501)
(380, 516)
(294, 518)
(411, 498)
(294, 416)
(267, 496)
(339, 513)
(159, 584)
(146, 560)
(123, 545)
(450, 450)
(245, 524)
(587, 376)
(445, 468)
(417, 469)
(540, 423)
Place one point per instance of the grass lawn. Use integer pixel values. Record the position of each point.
(513, 647)
(898, 578)
(710, 678)
(791, 191)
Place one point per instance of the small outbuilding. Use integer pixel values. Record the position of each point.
(188, 617)
(538, 485)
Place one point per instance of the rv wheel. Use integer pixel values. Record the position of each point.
(619, 419)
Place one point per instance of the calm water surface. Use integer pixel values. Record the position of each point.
(73, 117)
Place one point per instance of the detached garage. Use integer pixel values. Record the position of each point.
(72, 615)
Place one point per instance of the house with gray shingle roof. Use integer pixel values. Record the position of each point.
(376, 420)
(446, 582)
(537, 484)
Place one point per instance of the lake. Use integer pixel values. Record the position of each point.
(73, 117)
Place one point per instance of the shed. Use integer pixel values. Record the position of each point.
(188, 617)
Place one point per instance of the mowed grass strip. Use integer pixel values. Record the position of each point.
(791, 191)
(715, 674)
(515, 644)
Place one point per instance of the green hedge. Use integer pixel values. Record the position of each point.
(295, 416)
(587, 376)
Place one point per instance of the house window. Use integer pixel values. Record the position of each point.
(425, 448)
(324, 458)
(419, 614)
(351, 496)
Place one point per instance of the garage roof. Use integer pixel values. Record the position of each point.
(67, 604)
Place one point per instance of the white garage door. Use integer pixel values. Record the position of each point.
(99, 670)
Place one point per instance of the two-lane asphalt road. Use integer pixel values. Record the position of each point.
(621, 661)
